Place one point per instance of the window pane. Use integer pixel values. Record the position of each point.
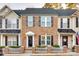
(43, 21)
(48, 21)
(64, 23)
(12, 24)
(48, 40)
(43, 40)
(12, 41)
(30, 21)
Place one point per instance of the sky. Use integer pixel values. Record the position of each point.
(26, 5)
(22, 5)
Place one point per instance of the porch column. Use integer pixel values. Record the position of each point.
(69, 42)
(2, 40)
(33, 41)
(19, 40)
(74, 40)
(59, 43)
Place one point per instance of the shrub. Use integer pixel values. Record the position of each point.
(14, 46)
(56, 46)
(41, 46)
(2, 46)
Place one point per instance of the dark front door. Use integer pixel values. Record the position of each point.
(30, 39)
(65, 40)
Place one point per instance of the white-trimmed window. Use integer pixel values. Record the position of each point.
(45, 21)
(77, 21)
(48, 39)
(64, 22)
(0, 23)
(45, 40)
(12, 41)
(12, 24)
(42, 40)
(30, 21)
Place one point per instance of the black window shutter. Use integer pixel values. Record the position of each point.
(68, 25)
(39, 40)
(17, 23)
(0, 23)
(5, 23)
(17, 40)
(76, 41)
(27, 21)
(51, 21)
(39, 21)
(6, 40)
(33, 21)
(61, 23)
(76, 21)
(51, 40)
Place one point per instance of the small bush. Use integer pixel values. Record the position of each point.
(41, 46)
(2, 46)
(14, 46)
(56, 46)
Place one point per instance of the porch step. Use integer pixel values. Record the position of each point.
(28, 50)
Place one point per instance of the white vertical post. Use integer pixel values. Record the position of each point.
(33, 41)
(46, 39)
(73, 40)
(2, 40)
(59, 23)
(27, 41)
(19, 39)
(59, 40)
(45, 21)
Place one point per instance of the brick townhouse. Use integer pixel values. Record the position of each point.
(48, 27)
(35, 27)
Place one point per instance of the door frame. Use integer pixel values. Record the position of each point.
(63, 41)
(32, 41)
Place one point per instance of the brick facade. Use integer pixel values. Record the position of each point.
(38, 30)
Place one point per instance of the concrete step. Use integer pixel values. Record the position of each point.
(28, 51)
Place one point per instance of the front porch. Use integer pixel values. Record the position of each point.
(10, 40)
(66, 39)
(10, 43)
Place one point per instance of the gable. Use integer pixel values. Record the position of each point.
(12, 15)
(6, 11)
(76, 13)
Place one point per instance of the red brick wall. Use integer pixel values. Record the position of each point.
(39, 30)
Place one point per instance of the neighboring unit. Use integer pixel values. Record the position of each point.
(10, 30)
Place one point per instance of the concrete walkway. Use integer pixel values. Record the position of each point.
(45, 54)
(57, 54)
(23, 54)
